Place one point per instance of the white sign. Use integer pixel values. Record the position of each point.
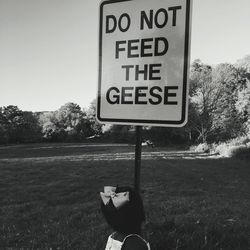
(144, 62)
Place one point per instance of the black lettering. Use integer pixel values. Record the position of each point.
(139, 93)
(108, 28)
(174, 9)
(120, 22)
(145, 46)
(149, 21)
(153, 70)
(155, 95)
(127, 68)
(115, 96)
(157, 47)
(125, 94)
(117, 48)
(165, 13)
(144, 72)
(131, 47)
(168, 94)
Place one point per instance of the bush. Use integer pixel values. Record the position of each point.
(221, 149)
(239, 141)
(238, 147)
(201, 148)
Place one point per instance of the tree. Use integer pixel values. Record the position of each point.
(48, 122)
(70, 120)
(12, 116)
(65, 124)
(244, 63)
(69, 123)
(243, 99)
(18, 126)
(216, 94)
(232, 81)
(243, 107)
(3, 128)
(204, 96)
(30, 130)
(94, 126)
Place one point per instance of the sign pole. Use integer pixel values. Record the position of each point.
(137, 159)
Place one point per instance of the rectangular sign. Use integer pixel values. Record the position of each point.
(144, 62)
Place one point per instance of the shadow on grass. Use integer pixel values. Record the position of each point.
(170, 235)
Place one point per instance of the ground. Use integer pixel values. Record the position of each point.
(50, 196)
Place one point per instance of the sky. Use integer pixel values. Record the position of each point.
(49, 48)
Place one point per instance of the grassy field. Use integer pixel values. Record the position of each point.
(49, 197)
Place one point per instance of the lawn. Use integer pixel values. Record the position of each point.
(50, 197)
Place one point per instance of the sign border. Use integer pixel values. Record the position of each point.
(135, 122)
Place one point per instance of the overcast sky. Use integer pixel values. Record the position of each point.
(49, 48)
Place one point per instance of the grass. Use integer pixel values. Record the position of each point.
(50, 202)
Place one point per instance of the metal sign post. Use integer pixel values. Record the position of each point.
(137, 159)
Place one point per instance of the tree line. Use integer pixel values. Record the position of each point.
(219, 109)
(69, 123)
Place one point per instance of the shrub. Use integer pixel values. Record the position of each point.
(222, 149)
(239, 141)
(237, 147)
(201, 148)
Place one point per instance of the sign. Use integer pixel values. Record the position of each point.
(144, 62)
